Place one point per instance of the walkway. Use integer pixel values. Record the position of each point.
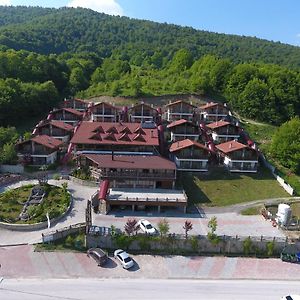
(23, 262)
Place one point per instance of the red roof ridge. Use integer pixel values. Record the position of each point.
(218, 124)
(185, 144)
(110, 136)
(178, 122)
(139, 137)
(139, 130)
(125, 137)
(125, 130)
(231, 146)
(112, 129)
(179, 101)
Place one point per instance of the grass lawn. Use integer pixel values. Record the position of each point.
(251, 211)
(221, 188)
(261, 133)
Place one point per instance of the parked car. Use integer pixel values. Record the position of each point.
(146, 227)
(291, 297)
(99, 255)
(124, 259)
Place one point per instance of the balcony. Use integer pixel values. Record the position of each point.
(98, 173)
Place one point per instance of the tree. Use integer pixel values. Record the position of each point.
(8, 154)
(212, 224)
(187, 227)
(181, 61)
(164, 227)
(285, 146)
(131, 226)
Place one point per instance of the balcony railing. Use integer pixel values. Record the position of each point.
(131, 174)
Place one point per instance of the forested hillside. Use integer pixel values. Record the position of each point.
(75, 30)
(49, 54)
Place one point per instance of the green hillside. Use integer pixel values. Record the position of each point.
(48, 31)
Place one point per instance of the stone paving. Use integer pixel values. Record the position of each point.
(23, 262)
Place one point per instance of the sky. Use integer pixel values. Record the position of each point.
(276, 20)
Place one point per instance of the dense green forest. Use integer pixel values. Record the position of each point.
(73, 30)
(49, 54)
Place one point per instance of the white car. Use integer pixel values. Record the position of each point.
(124, 259)
(146, 227)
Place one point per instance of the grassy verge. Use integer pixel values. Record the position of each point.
(74, 242)
(221, 188)
(251, 211)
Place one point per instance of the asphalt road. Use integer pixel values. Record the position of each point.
(77, 289)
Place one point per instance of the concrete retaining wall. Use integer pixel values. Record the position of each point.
(227, 245)
(64, 232)
(15, 169)
(281, 181)
(84, 182)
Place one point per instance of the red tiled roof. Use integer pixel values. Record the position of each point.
(132, 161)
(73, 111)
(218, 124)
(102, 103)
(141, 104)
(55, 123)
(103, 189)
(80, 100)
(47, 141)
(230, 146)
(180, 101)
(86, 134)
(70, 110)
(179, 122)
(185, 144)
(76, 99)
(210, 104)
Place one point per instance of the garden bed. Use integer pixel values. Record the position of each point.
(56, 202)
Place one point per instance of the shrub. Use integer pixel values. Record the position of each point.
(247, 245)
(163, 227)
(123, 241)
(194, 243)
(69, 241)
(270, 248)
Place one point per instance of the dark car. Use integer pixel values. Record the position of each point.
(99, 255)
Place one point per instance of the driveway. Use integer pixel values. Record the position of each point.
(229, 223)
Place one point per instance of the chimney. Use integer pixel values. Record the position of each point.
(178, 144)
(230, 146)
(112, 155)
(152, 134)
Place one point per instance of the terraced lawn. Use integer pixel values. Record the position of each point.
(221, 188)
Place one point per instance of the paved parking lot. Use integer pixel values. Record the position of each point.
(230, 224)
(23, 262)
